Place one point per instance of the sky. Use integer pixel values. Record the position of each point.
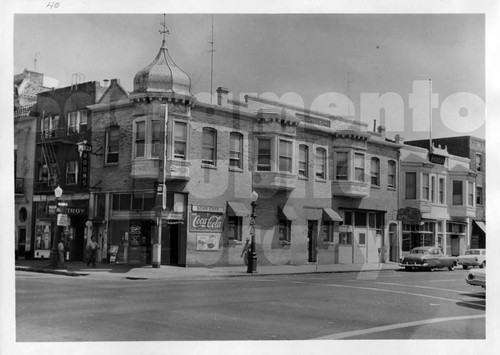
(326, 60)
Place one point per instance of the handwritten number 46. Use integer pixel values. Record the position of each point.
(52, 4)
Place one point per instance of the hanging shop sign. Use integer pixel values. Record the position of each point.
(62, 220)
(208, 242)
(206, 222)
(213, 209)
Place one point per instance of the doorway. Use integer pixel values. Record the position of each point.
(312, 228)
(455, 245)
(170, 244)
(21, 244)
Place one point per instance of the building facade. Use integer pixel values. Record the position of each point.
(438, 200)
(180, 173)
(62, 155)
(474, 149)
(26, 87)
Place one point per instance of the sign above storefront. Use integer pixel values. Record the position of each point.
(409, 214)
(213, 209)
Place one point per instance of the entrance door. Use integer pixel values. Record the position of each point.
(455, 245)
(21, 244)
(170, 244)
(312, 227)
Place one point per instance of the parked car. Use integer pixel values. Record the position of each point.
(473, 257)
(476, 277)
(428, 258)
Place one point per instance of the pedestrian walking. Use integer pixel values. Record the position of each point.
(246, 249)
(61, 248)
(92, 251)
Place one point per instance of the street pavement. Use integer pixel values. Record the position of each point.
(128, 271)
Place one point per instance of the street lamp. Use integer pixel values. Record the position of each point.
(252, 255)
(54, 253)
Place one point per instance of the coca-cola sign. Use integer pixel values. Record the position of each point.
(206, 222)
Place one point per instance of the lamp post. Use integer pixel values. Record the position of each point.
(252, 255)
(54, 253)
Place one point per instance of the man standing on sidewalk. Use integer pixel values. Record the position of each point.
(92, 251)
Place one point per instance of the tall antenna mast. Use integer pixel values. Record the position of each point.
(430, 115)
(348, 94)
(36, 56)
(212, 50)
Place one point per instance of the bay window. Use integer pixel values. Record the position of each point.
(341, 166)
(425, 186)
(264, 154)
(180, 140)
(411, 186)
(375, 172)
(359, 167)
(285, 156)
(457, 192)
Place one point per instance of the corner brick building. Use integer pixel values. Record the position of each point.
(327, 187)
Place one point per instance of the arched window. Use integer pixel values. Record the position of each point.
(209, 147)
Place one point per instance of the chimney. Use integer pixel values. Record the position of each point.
(381, 130)
(374, 125)
(106, 83)
(222, 96)
(399, 139)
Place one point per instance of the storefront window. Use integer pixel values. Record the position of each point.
(327, 231)
(235, 228)
(284, 230)
(345, 238)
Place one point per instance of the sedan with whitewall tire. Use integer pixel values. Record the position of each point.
(428, 258)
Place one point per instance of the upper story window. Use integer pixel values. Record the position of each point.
(375, 171)
(441, 190)
(50, 125)
(180, 140)
(112, 145)
(303, 161)
(470, 193)
(341, 165)
(140, 139)
(147, 140)
(285, 156)
(156, 134)
(264, 154)
(320, 163)
(209, 146)
(391, 174)
(425, 187)
(236, 150)
(77, 121)
(479, 162)
(457, 193)
(359, 167)
(71, 172)
(433, 188)
(479, 195)
(411, 186)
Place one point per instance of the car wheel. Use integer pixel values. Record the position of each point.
(465, 267)
(483, 264)
(452, 267)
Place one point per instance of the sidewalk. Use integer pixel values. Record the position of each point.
(165, 272)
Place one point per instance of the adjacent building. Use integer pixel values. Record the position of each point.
(474, 149)
(438, 200)
(62, 154)
(26, 87)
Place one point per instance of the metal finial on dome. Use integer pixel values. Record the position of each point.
(165, 30)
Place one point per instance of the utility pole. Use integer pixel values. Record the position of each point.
(212, 50)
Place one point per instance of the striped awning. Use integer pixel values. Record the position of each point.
(287, 212)
(237, 209)
(332, 215)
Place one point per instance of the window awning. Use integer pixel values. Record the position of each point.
(287, 212)
(237, 209)
(313, 214)
(481, 225)
(329, 214)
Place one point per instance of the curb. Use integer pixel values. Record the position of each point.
(73, 274)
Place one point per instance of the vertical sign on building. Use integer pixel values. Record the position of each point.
(84, 165)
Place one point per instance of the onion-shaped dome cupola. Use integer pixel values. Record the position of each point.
(162, 75)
